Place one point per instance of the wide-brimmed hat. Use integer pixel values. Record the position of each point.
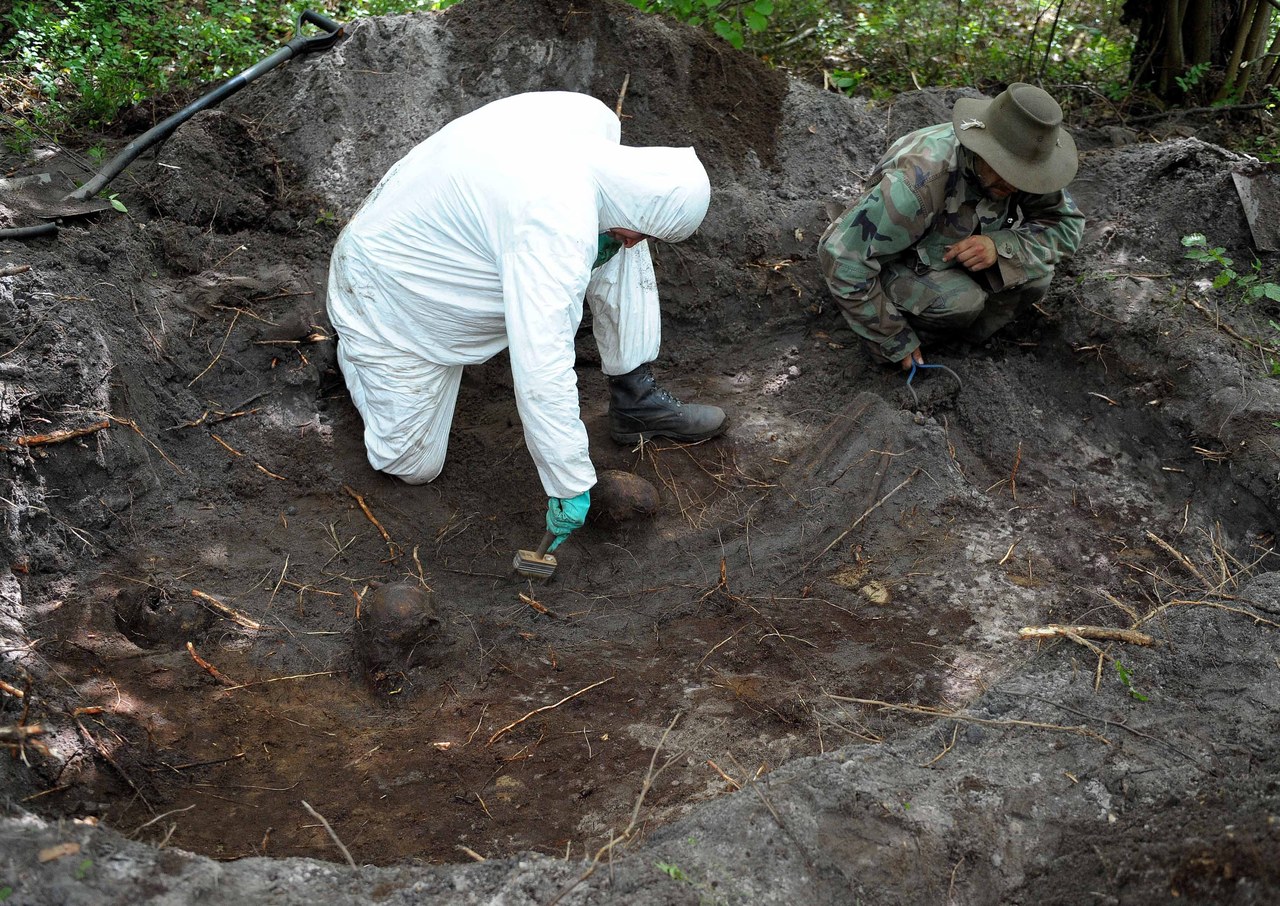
(1019, 133)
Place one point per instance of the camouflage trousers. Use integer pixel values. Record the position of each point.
(955, 304)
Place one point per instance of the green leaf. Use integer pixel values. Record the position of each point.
(118, 204)
(755, 21)
(1222, 279)
(729, 32)
(1271, 291)
(764, 7)
(1195, 239)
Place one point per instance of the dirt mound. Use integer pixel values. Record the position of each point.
(801, 680)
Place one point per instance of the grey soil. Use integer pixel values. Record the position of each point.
(808, 661)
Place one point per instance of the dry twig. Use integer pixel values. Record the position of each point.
(516, 723)
(1181, 558)
(364, 508)
(57, 437)
(1102, 633)
(209, 668)
(650, 777)
(230, 613)
(617, 110)
(329, 830)
(969, 718)
(857, 522)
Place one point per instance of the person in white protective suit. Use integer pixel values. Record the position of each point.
(489, 235)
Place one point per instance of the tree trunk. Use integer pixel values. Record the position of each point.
(1173, 36)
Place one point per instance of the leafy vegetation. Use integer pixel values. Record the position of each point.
(73, 63)
(1249, 287)
(76, 63)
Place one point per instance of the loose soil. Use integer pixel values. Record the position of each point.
(808, 658)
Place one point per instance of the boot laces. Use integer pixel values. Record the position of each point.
(663, 395)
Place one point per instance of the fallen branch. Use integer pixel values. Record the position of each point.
(230, 613)
(57, 437)
(106, 756)
(1103, 633)
(266, 471)
(1013, 476)
(516, 723)
(209, 668)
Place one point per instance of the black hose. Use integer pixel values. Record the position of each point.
(29, 232)
(296, 45)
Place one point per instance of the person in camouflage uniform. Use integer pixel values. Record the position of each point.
(960, 225)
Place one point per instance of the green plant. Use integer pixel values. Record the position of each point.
(1251, 285)
(19, 136)
(673, 871)
(730, 19)
(1192, 77)
(1126, 677)
(116, 203)
(5, 893)
(845, 81)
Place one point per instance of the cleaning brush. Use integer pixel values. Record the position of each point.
(536, 564)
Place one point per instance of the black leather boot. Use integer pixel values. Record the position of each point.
(639, 409)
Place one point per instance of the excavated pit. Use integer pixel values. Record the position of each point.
(818, 626)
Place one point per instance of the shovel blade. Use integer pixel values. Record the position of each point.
(1258, 185)
(42, 196)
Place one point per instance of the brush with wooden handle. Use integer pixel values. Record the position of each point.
(536, 564)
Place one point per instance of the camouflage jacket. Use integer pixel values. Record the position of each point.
(922, 197)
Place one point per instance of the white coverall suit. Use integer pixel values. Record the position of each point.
(483, 237)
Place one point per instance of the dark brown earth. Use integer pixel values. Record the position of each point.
(843, 575)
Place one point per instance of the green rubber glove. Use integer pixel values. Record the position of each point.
(606, 248)
(563, 516)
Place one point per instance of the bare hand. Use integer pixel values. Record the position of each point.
(974, 253)
(916, 358)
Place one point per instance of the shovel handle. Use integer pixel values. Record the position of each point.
(331, 28)
(547, 540)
